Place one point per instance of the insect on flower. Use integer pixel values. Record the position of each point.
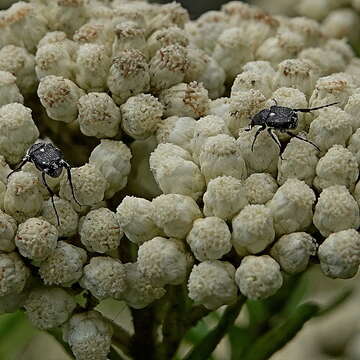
(49, 160)
(280, 118)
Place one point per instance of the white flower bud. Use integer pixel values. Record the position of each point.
(185, 100)
(8, 228)
(225, 196)
(233, 49)
(89, 186)
(140, 293)
(258, 277)
(354, 145)
(98, 115)
(135, 218)
(175, 213)
(353, 108)
(220, 107)
(265, 154)
(48, 308)
(317, 9)
(242, 108)
(177, 130)
(209, 238)
(64, 266)
(353, 69)
(341, 46)
(13, 274)
(253, 228)
(92, 67)
(95, 33)
(54, 59)
(339, 254)
(163, 261)
(299, 161)
(260, 188)
(21, 64)
(140, 115)
(336, 210)
(59, 97)
(337, 167)
(100, 231)
(128, 35)
(300, 74)
(104, 277)
(168, 67)
(22, 198)
(291, 207)
(53, 37)
(332, 126)
(128, 75)
(293, 251)
(112, 158)
(89, 336)
(309, 29)
(17, 131)
(9, 91)
(221, 156)
(204, 128)
(212, 284)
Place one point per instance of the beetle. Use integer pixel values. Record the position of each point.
(49, 160)
(280, 118)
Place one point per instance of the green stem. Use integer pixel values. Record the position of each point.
(114, 355)
(56, 333)
(121, 338)
(277, 337)
(204, 349)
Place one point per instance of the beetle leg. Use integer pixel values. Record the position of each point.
(275, 101)
(68, 169)
(274, 137)
(315, 108)
(300, 138)
(18, 168)
(258, 131)
(51, 195)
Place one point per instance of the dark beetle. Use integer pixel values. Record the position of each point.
(279, 118)
(49, 160)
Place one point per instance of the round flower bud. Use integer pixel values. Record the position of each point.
(337, 167)
(209, 238)
(8, 229)
(341, 46)
(163, 261)
(92, 67)
(253, 228)
(175, 213)
(104, 277)
(36, 239)
(185, 100)
(336, 210)
(17, 61)
(258, 277)
(22, 198)
(353, 69)
(309, 29)
(352, 108)
(112, 158)
(140, 115)
(262, 156)
(221, 156)
(260, 188)
(64, 266)
(89, 335)
(68, 217)
(299, 161)
(54, 37)
(354, 145)
(316, 9)
(135, 218)
(139, 292)
(17, 131)
(59, 97)
(100, 231)
(212, 284)
(225, 196)
(177, 130)
(9, 91)
(13, 274)
(332, 126)
(48, 308)
(128, 75)
(339, 254)
(12, 302)
(291, 207)
(95, 33)
(293, 251)
(168, 67)
(98, 115)
(205, 127)
(89, 186)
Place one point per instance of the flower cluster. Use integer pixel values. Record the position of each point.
(174, 176)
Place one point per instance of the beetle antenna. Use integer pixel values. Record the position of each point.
(316, 108)
(68, 169)
(52, 197)
(300, 138)
(18, 168)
